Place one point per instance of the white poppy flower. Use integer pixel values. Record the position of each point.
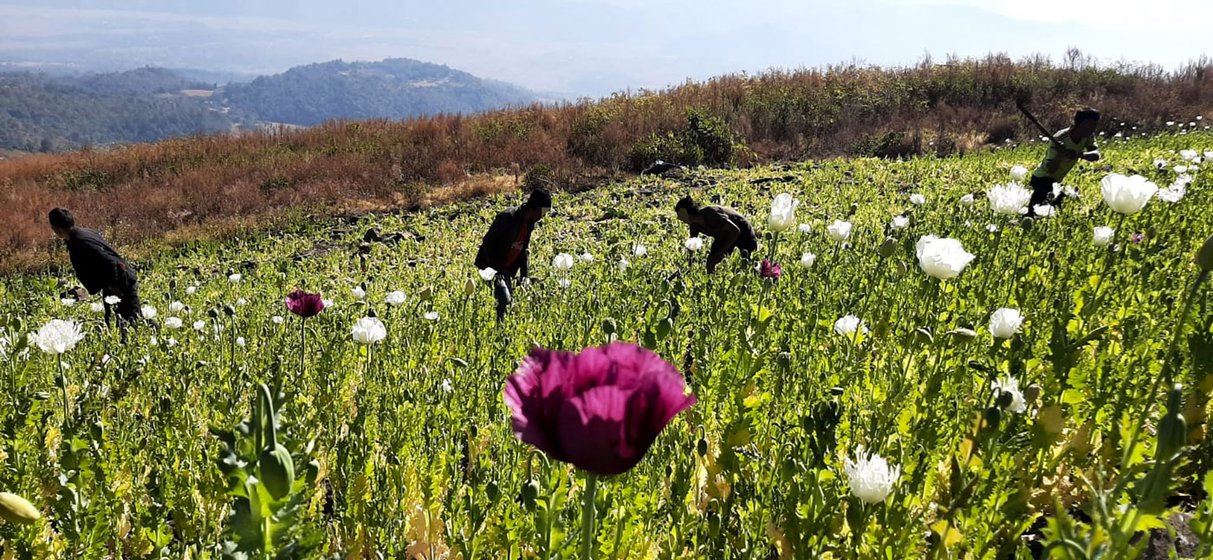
(847, 326)
(839, 230)
(1010, 386)
(368, 330)
(563, 262)
(870, 477)
(395, 298)
(1005, 322)
(1127, 195)
(942, 258)
(783, 213)
(57, 336)
(1019, 173)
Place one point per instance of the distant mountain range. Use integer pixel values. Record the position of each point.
(396, 88)
(45, 112)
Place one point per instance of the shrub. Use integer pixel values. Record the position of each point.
(538, 176)
(887, 145)
(705, 140)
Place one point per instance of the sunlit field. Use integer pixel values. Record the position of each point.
(999, 392)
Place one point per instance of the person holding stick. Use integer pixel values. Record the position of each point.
(1066, 147)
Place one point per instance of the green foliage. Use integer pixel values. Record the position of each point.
(268, 501)
(887, 145)
(539, 176)
(405, 449)
(390, 89)
(705, 140)
(43, 114)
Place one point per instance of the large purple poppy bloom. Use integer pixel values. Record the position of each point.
(600, 409)
(304, 304)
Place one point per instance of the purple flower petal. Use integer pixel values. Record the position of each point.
(304, 304)
(600, 410)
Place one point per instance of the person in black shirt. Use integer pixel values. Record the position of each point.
(506, 246)
(99, 267)
(728, 229)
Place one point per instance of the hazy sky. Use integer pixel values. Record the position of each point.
(591, 47)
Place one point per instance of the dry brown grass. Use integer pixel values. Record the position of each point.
(194, 186)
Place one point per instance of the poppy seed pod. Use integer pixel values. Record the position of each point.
(887, 248)
(15, 509)
(1032, 392)
(1204, 257)
(1005, 399)
(275, 467)
(993, 416)
(277, 471)
(664, 327)
(1172, 429)
(528, 494)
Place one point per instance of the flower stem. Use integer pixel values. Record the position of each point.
(67, 408)
(1109, 260)
(302, 346)
(587, 515)
(1166, 368)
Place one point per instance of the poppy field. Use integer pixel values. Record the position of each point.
(906, 368)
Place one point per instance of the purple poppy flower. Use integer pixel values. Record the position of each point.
(600, 409)
(770, 270)
(1137, 237)
(304, 304)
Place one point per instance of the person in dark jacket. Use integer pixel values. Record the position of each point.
(99, 268)
(506, 246)
(728, 229)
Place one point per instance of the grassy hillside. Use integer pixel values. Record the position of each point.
(193, 185)
(404, 448)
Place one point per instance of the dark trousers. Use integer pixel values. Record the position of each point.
(129, 308)
(501, 291)
(1042, 193)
